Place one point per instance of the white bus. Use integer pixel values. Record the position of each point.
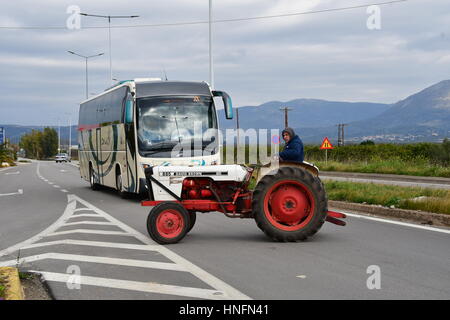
(140, 123)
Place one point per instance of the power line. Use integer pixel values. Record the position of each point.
(214, 21)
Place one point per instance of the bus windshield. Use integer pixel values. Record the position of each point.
(164, 122)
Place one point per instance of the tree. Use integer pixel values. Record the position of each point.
(49, 142)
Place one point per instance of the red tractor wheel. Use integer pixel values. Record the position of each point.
(290, 204)
(168, 222)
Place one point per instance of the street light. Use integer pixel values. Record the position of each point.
(109, 33)
(86, 58)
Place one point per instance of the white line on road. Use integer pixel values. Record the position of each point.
(117, 233)
(86, 215)
(144, 247)
(88, 222)
(56, 186)
(8, 173)
(64, 190)
(20, 191)
(150, 287)
(95, 259)
(396, 222)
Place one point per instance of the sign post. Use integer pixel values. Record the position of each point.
(326, 145)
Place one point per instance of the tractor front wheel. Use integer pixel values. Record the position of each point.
(289, 204)
(168, 223)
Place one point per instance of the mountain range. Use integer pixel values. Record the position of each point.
(423, 116)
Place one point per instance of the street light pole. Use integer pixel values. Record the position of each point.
(86, 58)
(211, 67)
(109, 34)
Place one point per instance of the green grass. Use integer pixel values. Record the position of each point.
(2, 291)
(416, 168)
(436, 200)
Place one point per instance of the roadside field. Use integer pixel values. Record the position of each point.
(411, 198)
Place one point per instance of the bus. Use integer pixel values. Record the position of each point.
(147, 122)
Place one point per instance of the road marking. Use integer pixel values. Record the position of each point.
(20, 191)
(89, 222)
(86, 215)
(117, 233)
(64, 190)
(221, 289)
(8, 173)
(95, 259)
(56, 186)
(144, 247)
(139, 286)
(396, 222)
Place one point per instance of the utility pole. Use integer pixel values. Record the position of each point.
(286, 117)
(86, 58)
(341, 138)
(109, 35)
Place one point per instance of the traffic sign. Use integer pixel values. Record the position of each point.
(326, 144)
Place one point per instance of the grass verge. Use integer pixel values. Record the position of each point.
(387, 167)
(411, 198)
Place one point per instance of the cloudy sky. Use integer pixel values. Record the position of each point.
(329, 55)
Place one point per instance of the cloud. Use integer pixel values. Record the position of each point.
(328, 56)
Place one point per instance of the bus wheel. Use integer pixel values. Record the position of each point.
(94, 186)
(119, 185)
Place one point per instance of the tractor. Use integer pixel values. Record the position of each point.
(288, 201)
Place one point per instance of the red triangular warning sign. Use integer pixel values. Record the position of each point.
(326, 144)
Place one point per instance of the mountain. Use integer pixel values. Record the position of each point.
(303, 113)
(424, 116)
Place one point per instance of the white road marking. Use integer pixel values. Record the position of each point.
(8, 173)
(86, 215)
(95, 259)
(89, 222)
(396, 222)
(139, 286)
(20, 191)
(221, 289)
(144, 247)
(56, 186)
(195, 270)
(64, 190)
(117, 233)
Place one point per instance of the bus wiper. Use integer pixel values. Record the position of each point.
(161, 146)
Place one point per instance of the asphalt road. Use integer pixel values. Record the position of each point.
(51, 222)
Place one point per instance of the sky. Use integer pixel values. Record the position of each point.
(329, 55)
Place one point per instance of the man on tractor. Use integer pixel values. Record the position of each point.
(293, 150)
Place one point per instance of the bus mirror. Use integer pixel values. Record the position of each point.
(227, 103)
(129, 111)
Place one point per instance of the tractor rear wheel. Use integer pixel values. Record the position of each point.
(168, 222)
(192, 219)
(290, 204)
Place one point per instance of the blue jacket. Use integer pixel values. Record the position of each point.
(293, 151)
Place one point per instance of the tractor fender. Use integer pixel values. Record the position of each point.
(273, 167)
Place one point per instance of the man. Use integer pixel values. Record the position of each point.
(293, 150)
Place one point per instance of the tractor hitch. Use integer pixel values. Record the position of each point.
(333, 216)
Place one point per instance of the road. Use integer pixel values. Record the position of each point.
(51, 222)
